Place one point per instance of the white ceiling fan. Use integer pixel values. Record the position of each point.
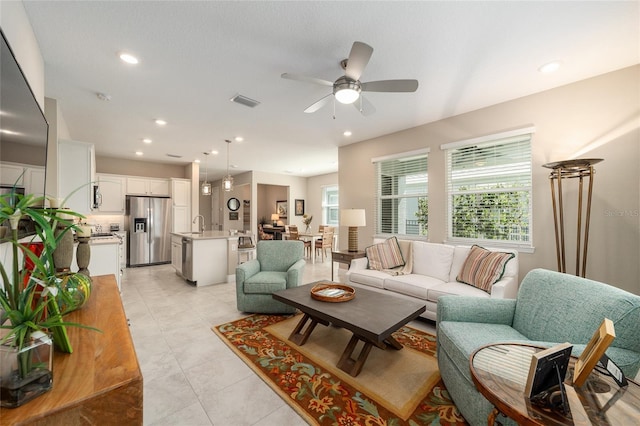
(348, 88)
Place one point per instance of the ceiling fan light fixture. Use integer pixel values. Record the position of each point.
(346, 90)
(347, 96)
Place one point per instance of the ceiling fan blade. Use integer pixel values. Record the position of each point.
(390, 86)
(365, 107)
(319, 104)
(358, 59)
(307, 79)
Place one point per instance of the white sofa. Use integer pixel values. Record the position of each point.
(434, 271)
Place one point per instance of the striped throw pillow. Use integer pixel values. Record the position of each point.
(483, 267)
(385, 255)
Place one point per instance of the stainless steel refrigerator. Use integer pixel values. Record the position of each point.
(148, 222)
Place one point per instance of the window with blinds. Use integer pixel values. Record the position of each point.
(330, 207)
(401, 194)
(489, 189)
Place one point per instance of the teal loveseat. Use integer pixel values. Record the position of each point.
(279, 264)
(550, 308)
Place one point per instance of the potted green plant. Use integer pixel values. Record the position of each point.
(29, 298)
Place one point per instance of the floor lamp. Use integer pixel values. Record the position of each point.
(570, 169)
(353, 218)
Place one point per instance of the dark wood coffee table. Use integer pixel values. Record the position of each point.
(370, 316)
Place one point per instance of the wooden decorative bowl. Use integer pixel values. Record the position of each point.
(329, 292)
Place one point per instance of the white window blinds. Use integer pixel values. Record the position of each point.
(489, 189)
(330, 206)
(401, 194)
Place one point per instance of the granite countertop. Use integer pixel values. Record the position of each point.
(207, 235)
(103, 240)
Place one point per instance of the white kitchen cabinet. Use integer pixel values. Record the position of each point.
(148, 186)
(34, 180)
(111, 194)
(181, 217)
(176, 253)
(181, 205)
(11, 174)
(76, 174)
(181, 192)
(104, 258)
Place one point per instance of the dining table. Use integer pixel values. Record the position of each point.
(313, 237)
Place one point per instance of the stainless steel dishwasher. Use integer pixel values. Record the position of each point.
(187, 258)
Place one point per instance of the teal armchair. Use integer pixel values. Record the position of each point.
(550, 308)
(278, 265)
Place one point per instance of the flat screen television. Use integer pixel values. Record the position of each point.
(23, 126)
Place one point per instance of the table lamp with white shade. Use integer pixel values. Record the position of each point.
(275, 217)
(353, 218)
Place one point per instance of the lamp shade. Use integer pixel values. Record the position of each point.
(353, 217)
(275, 216)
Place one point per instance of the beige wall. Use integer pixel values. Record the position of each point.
(313, 203)
(120, 166)
(267, 197)
(296, 187)
(594, 118)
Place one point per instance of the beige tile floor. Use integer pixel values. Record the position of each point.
(190, 376)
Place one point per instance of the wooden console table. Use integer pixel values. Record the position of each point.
(100, 382)
(344, 256)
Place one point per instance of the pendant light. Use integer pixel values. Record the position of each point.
(227, 182)
(206, 186)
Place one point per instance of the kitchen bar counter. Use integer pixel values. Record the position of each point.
(205, 258)
(206, 235)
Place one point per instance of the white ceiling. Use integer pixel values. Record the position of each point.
(194, 56)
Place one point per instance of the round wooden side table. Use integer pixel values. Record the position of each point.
(500, 372)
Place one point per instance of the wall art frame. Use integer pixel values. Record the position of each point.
(282, 208)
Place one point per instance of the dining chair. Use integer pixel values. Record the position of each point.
(295, 235)
(326, 242)
(263, 235)
(320, 230)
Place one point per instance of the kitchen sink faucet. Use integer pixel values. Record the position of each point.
(201, 222)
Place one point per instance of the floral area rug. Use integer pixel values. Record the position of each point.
(394, 388)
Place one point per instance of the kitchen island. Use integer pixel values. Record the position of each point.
(204, 258)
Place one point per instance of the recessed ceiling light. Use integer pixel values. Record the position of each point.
(129, 58)
(234, 166)
(197, 160)
(214, 152)
(239, 138)
(160, 122)
(347, 133)
(550, 67)
(147, 140)
(139, 153)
